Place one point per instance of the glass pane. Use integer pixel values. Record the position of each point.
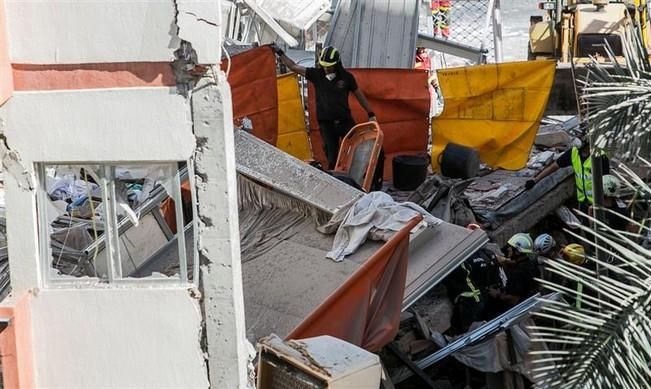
(141, 201)
(74, 218)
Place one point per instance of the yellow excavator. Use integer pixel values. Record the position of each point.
(572, 31)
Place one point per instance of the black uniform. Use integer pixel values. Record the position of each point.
(332, 109)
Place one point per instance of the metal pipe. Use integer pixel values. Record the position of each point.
(497, 31)
(493, 326)
(178, 210)
(457, 49)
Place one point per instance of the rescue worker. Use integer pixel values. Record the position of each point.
(579, 158)
(467, 288)
(468, 285)
(332, 84)
(441, 17)
(574, 253)
(617, 209)
(544, 245)
(545, 248)
(423, 61)
(521, 269)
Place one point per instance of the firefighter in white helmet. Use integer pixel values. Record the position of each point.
(616, 209)
(520, 266)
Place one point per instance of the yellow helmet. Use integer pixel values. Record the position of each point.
(574, 253)
(329, 56)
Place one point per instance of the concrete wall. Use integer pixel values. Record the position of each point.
(73, 32)
(95, 85)
(6, 82)
(117, 338)
(130, 124)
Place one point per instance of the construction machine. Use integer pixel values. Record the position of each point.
(573, 31)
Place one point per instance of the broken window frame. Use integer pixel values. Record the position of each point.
(111, 237)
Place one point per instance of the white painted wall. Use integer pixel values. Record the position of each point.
(133, 338)
(127, 124)
(91, 31)
(97, 31)
(199, 23)
(116, 125)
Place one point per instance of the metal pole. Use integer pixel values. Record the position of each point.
(357, 29)
(497, 31)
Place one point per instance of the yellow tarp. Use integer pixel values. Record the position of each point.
(292, 133)
(493, 108)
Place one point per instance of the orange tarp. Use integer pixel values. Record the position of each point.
(400, 99)
(365, 309)
(252, 79)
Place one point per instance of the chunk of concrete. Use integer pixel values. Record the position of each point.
(550, 136)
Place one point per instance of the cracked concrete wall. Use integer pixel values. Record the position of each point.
(198, 21)
(219, 239)
(111, 332)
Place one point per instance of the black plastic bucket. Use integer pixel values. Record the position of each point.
(459, 161)
(409, 171)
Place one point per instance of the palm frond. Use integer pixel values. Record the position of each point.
(606, 343)
(617, 98)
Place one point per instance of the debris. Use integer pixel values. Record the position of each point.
(552, 136)
(12, 164)
(322, 361)
(412, 366)
(568, 217)
(422, 326)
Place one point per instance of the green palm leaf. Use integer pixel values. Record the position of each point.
(606, 343)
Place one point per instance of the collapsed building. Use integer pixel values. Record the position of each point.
(161, 215)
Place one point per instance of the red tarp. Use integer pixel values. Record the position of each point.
(400, 99)
(252, 79)
(365, 309)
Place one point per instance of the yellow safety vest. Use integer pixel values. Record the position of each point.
(472, 292)
(582, 176)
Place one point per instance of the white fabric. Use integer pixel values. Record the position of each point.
(375, 216)
(492, 355)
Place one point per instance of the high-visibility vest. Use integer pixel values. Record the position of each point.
(582, 176)
(472, 292)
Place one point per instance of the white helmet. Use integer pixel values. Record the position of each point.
(611, 185)
(543, 244)
(521, 242)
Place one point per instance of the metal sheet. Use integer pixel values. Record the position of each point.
(295, 14)
(273, 167)
(375, 33)
(490, 328)
(434, 253)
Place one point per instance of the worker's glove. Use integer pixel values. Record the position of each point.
(371, 117)
(279, 52)
(530, 184)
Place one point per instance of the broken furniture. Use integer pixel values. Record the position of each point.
(359, 153)
(322, 362)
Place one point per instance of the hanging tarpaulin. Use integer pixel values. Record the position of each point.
(365, 309)
(401, 101)
(292, 132)
(493, 108)
(252, 79)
